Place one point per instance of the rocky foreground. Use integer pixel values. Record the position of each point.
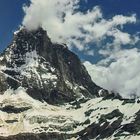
(22, 117)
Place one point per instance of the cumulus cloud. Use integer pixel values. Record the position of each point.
(121, 76)
(119, 39)
(65, 23)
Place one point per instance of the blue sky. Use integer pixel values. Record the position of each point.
(111, 8)
(11, 14)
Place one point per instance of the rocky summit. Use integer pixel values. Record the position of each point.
(46, 93)
(49, 71)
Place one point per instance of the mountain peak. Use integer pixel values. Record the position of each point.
(30, 40)
(49, 71)
(24, 30)
(36, 75)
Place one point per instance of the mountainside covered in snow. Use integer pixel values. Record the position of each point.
(47, 94)
(49, 72)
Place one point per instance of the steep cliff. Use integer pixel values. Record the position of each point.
(49, 71)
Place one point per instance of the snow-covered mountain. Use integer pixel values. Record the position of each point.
(47, 94)
(49, 72)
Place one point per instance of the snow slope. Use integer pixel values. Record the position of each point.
(70, 119)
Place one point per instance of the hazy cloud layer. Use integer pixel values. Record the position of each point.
(122, 75)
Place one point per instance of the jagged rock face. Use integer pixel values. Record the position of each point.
(33, 65)
(50, 72)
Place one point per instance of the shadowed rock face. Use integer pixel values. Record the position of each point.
(42, 136)
(48, 71)
(52, 73)
(99, 131)
(12, 109)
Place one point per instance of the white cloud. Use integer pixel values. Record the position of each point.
(121, 76)
(65, 23)
(120, 39)
(90, 52)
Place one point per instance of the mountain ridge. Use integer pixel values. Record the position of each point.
(48, 94)
(33, 52)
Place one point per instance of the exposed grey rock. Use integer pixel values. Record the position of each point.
(52, 73)
(12, 109)
(68, 77)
